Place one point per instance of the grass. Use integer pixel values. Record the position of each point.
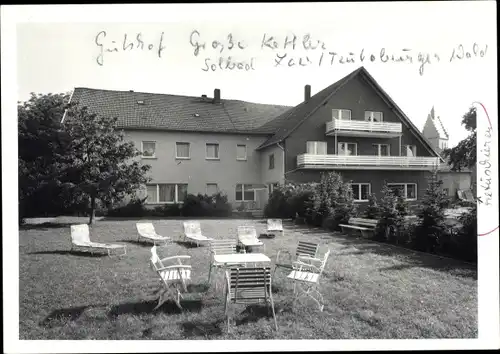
(371, 290)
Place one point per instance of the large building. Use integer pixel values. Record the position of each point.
(203, 145)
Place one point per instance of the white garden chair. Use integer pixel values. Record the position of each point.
(147, 231)
(218, 247)
(274, 225)
(192, 231)
(247, 237)
(173, 276)
(80, 239)
(306, 252)
(247, 286)
(305, 277)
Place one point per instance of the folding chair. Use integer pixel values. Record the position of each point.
(80, 238)
(247, 237)
(218, 247)
(247, 286)
(306, 280)
(306, 252)
(172, 277)
(192, 231)
(147, 231)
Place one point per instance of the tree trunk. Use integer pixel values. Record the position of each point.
(92, 210)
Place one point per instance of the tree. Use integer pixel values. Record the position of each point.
(389, 215)
(431, 226)
(372, 210)
(464, 154)
(39, 143)
(98, 164)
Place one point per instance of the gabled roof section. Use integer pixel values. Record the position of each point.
(438, 124)
(139, 110)
(297, 115)
(291, 120)
(399, 112)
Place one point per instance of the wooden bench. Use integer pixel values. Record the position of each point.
(365, 226)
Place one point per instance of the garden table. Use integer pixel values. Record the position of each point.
(241, 258)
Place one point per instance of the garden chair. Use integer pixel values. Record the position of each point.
(274, 225)
(220, 247)
(306, 252)
(173, 276)
(147, 231)
(305, 277)
(80, 238)
(192, 231)
(248, 286)
(247, 237)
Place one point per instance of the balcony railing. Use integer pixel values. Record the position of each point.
(361, 127)
(366, 162)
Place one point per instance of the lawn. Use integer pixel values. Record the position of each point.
(371, 290)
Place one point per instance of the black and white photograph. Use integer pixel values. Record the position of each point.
(250, 177)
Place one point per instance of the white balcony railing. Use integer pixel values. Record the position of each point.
(360, 126)
(367, 161)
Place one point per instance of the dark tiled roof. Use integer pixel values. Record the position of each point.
(184, 113)
(290, 120)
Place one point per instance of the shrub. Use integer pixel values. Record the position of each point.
(205, 205)
(372, 210)
(464, 242)
(135, 208)
(333, 202)
(277, 204)
(389, 214)
(287, 201)
(431, 227)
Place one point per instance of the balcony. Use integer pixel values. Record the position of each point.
(366, 162)
(363, 128)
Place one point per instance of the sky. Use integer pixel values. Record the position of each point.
(56, 56)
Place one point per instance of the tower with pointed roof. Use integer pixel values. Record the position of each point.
(435, 132)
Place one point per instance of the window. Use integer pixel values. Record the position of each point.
(316, 147)
(182, 151)
(350, 149)
(360, 191)
(166, 193)
(241, 152)
(372, 116)
(382, 149)
(148, 149)
(271, 161)
(212, 188)
(212, 151)
(406, 190)
(408, 150)
(342, 114)
(244, 193)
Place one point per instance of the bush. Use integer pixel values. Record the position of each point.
(205, 205)
(431, 228)
(289, 200)
(333, 202)
(135, 208)
(390, 216)
(372, 210)
(464, 242)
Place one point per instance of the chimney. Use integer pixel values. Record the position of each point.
(307, 93)
(216, 96)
